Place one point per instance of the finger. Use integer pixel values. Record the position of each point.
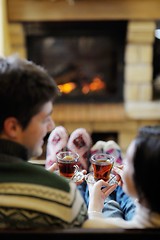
(101, 183)
(84, 172)
(117, 170)
(119, 166)
(79, 182)
(53, 167)
(118, 178)
(107, 191)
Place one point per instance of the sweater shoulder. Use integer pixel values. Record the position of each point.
(27, 173)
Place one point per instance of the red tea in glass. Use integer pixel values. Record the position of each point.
(102, 164)
(67, 163)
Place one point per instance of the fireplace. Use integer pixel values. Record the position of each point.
(86, 58)
(125, 108)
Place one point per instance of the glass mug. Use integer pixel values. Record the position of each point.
(67, 163)
(102, 164)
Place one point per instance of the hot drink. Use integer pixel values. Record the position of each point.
(102, 165)
(67, 163)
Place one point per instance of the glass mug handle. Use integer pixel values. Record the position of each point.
(76, 169)
(78, 175)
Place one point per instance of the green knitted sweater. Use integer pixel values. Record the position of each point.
(32, 197)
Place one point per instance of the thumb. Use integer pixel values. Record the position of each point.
(53, 167)
(107, 191)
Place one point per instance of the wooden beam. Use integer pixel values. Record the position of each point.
(4, 36)
(63, 10)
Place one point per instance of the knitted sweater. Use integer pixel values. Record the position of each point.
(32, 197)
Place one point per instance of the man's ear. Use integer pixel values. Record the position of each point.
(11, 127)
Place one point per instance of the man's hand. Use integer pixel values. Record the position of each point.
(53, 167)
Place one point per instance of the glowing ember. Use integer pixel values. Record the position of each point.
(67, 87)
(96, 85)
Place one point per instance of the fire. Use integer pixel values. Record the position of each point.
(95, 85)
(67, 87)
(85, 88)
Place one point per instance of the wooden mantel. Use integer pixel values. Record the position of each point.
(63, 10)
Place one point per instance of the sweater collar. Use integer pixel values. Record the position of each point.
(13, 149)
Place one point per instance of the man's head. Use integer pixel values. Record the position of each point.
(25, 89)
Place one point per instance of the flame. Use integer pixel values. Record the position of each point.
(95, 85)
(67, 87)
(85, 89)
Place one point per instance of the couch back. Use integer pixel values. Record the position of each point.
(83, 234)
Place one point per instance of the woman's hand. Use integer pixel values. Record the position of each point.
(118, 171)
(98, 193)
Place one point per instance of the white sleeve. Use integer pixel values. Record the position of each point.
(95, 214)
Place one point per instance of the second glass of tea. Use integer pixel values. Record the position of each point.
(102, 164)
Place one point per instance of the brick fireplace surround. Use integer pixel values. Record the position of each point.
(138, 108)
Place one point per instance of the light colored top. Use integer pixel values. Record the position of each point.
(143, 218)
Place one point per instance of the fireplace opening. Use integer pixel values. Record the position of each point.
(104, 136)
(85, 58)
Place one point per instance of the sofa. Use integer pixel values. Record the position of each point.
(83, 234)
